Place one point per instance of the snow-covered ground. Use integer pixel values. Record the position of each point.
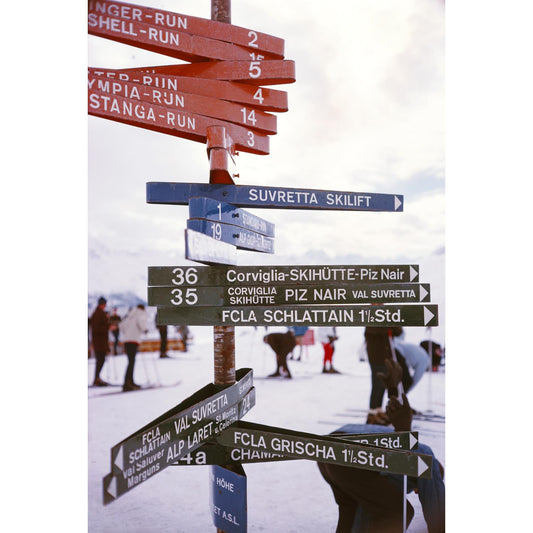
(288, 496)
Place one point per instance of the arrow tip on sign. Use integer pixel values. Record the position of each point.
(423, 293)
(110, 488)
(119, 459)
(413, 273)
(413, 442)
(428, 316)
(397, 203)
(422, 466)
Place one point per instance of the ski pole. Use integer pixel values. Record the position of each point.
(430, 349)
(395, 359)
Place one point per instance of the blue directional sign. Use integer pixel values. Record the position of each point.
(239, 237)
(209, 209)
(228, 498)
(272, 197)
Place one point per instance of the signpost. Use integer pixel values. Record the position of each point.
(254, 72)
(290, 315)
(219, 99)
(209, 209)
(257, 97)
(341, 293)
(171, 121)
(228, 498)
(326, 449)
(213, 453)
(281, 275)
(200, 247)
(171, 21)
(273, 197)
(176, 433)
(239, 237)
(172, 42)
(191, 103)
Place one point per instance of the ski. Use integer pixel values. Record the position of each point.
(419, 416)
(120, 391)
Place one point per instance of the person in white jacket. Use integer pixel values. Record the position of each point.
(132, 328)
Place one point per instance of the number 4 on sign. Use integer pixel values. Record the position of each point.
(259, 95)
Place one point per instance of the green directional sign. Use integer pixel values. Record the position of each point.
(335, 315)
(177, 432)
(342, 293)
(281, 275)
(326, 449)
(212, 453)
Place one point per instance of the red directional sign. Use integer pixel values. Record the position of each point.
(253, 72)
(259, 97)
(169, 42)
(201, 105)
(170, 21)
(171, 121)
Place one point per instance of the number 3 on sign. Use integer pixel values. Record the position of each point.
(251, 139)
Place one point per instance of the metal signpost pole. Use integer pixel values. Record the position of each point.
(223, 336)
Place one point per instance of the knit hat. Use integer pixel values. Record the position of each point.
(102, 301)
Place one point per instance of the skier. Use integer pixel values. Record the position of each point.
(132, 327)
(282, 344)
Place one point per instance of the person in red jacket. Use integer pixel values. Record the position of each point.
(100, 336)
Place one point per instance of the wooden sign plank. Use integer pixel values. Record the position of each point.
(204, 249)
(253, 119)
(335, 315)
(265, 197)
(257, 97)
(264, 276)
(211, 453)
(209, 209)
(340, 293)
(170, 121)
(241, 238)
(326, 449)
(254, 72)
(169, 41)
(168, 20)
(177, 432)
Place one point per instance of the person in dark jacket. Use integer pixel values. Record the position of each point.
(378, 348)
(100, 336)
(282, 344)
(372, 502)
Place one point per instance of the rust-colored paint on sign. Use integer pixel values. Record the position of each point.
(170, 121)
(259, 97)
(169, 42)
(220, 150)
(202, 105)
(211, 29)
(250, 72)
